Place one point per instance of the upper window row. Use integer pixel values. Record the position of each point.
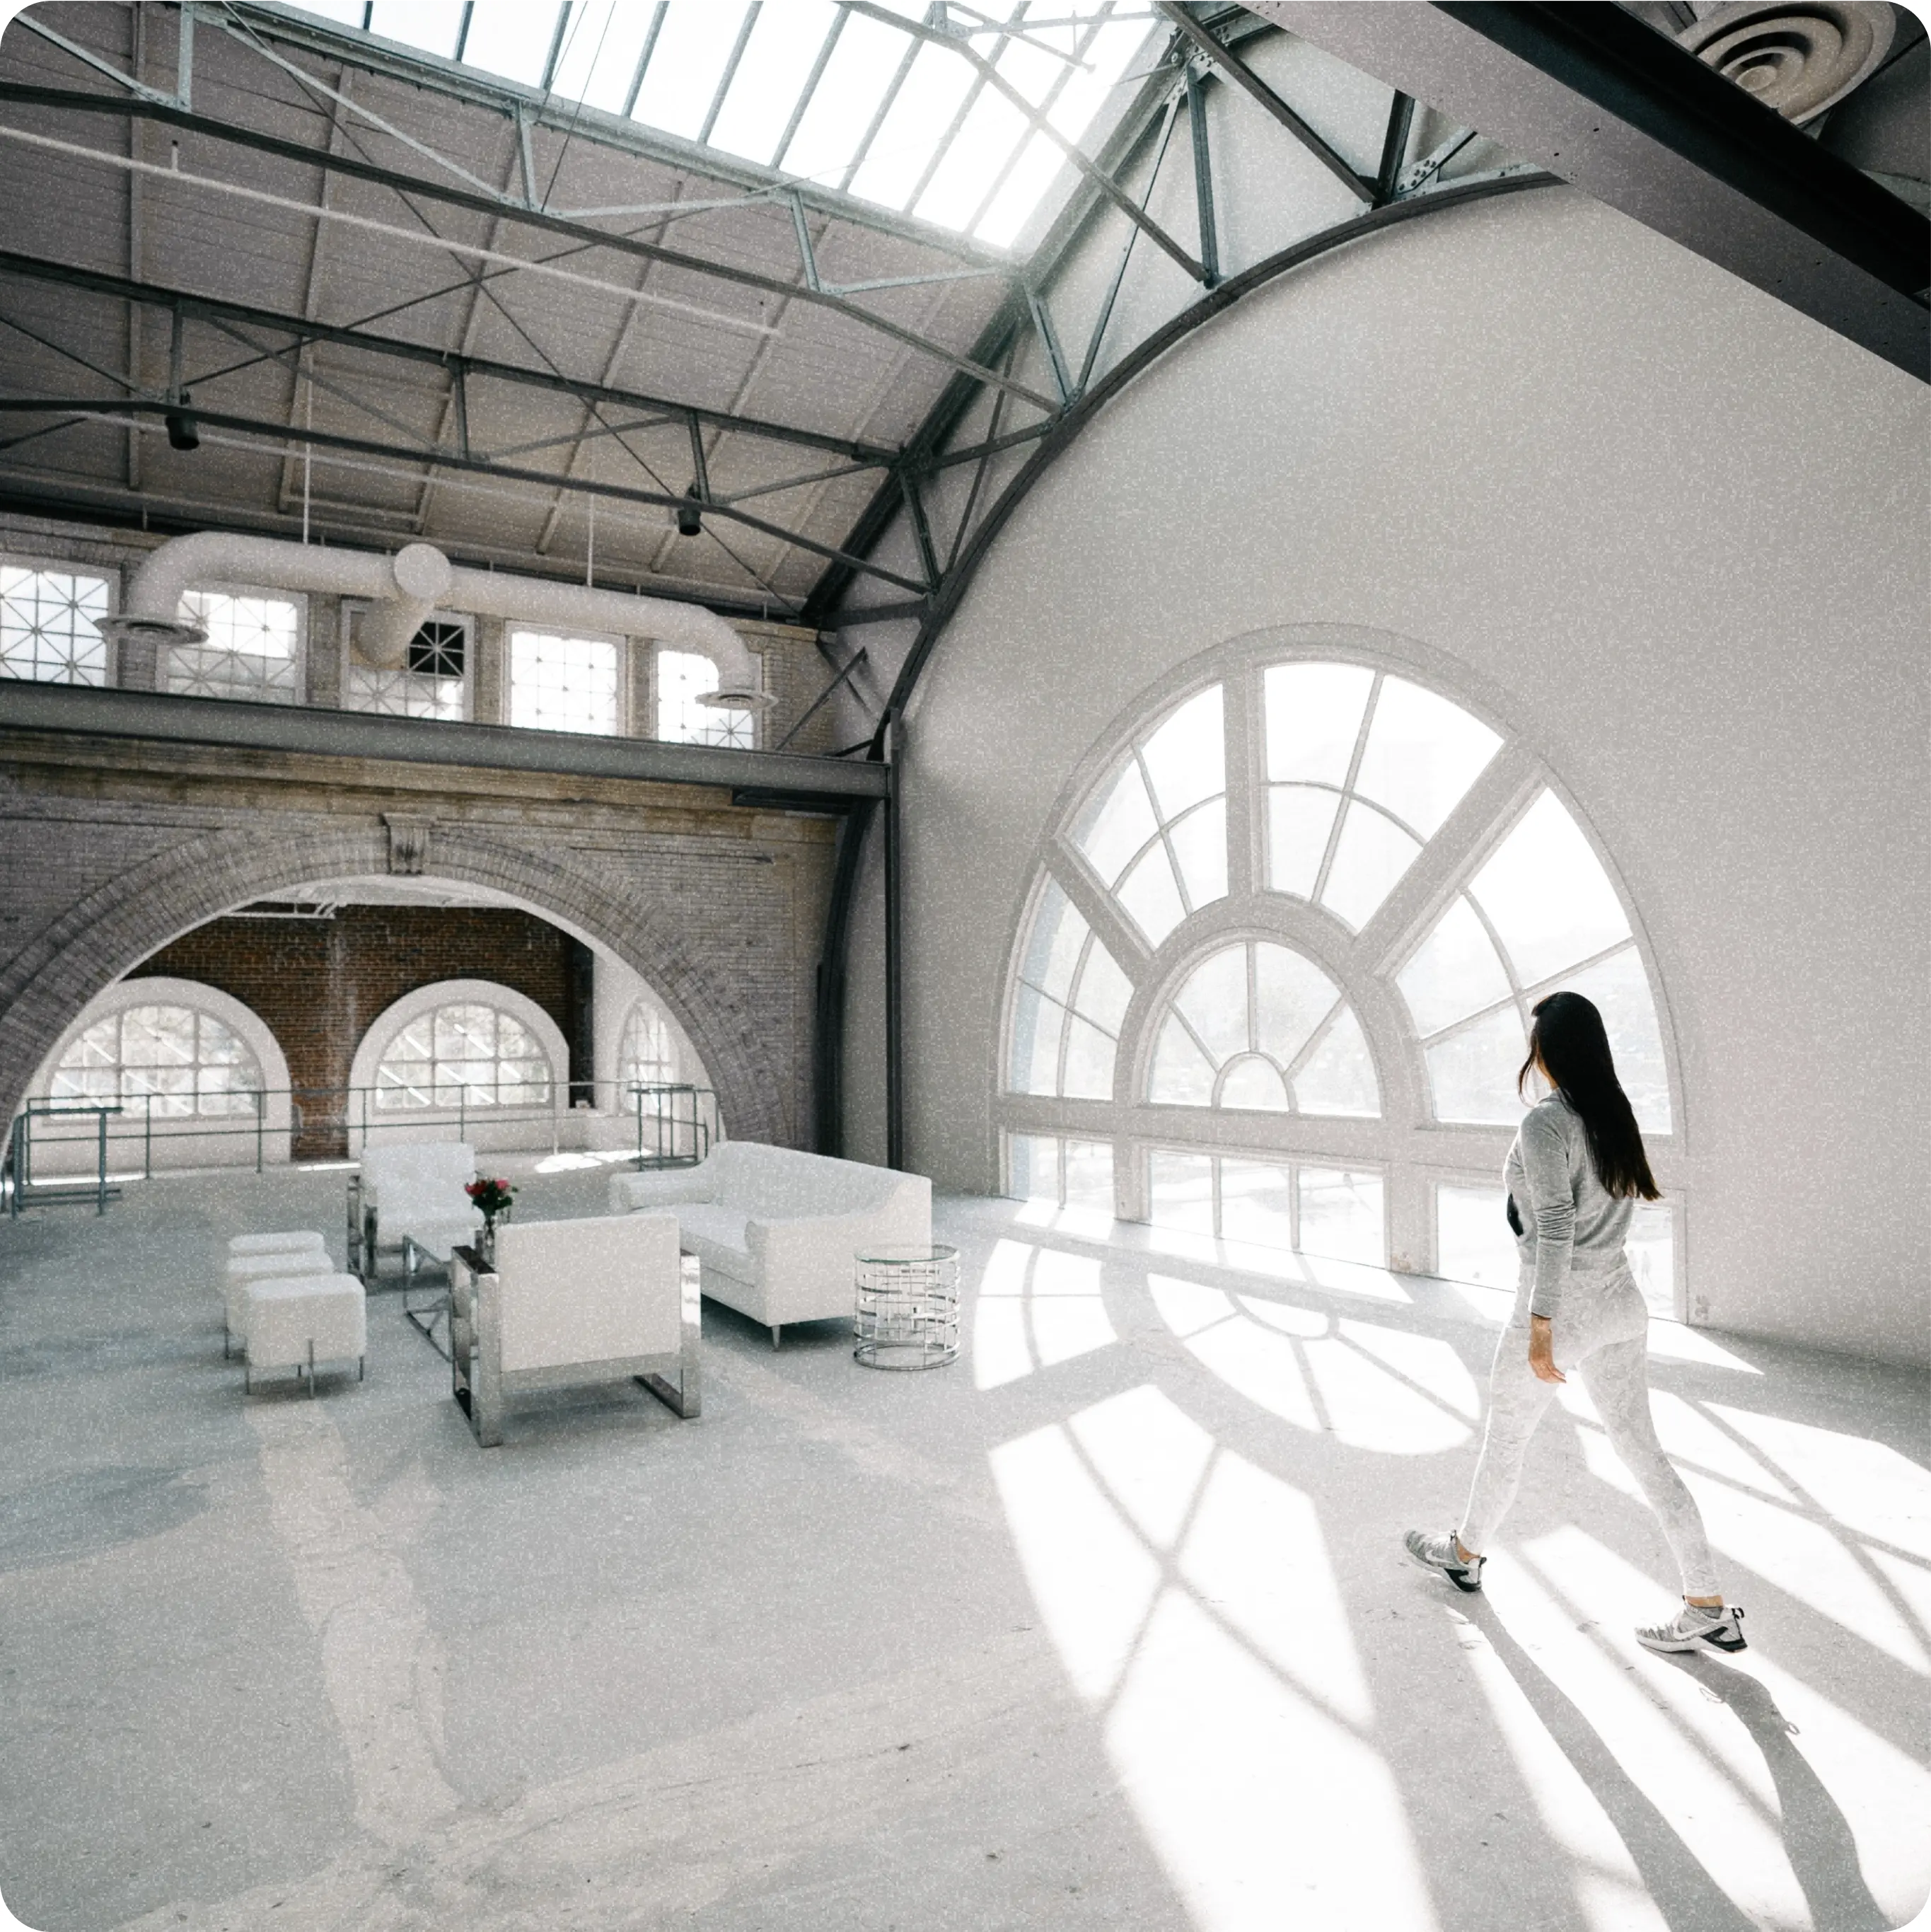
(49, 632)
(828, 94)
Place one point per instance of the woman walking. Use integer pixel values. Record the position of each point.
(1574, 1175)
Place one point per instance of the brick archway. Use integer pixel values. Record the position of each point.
(147, 903)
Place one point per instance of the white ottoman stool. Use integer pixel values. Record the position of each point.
(296, 1323)
(291, 1241)
(243, 1271)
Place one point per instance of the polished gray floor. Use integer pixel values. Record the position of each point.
(1105, 1626)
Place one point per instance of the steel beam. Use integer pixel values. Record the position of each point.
(119, 409)
(460, 367)
(298, 731)
(1596, 96)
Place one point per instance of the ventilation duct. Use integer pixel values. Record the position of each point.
(1798, 56)
(404, 588)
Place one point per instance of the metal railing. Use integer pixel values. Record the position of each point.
(674, 1124)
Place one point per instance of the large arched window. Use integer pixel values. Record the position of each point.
(647, 1054)
(468, 1053)
(1275, 979)
(171, 1061)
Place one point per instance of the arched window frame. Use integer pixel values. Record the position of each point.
(191, 1139)
(387, 1024)
(1415, 1151)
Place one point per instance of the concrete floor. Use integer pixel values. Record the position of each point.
(1105, 1626)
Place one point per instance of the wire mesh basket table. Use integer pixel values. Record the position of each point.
(908, 1308)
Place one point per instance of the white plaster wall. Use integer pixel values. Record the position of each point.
(1679, 527)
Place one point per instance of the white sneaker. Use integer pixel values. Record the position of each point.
(1437, 1550)
(1695, 1624)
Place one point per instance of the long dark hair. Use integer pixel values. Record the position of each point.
(1565, 1034)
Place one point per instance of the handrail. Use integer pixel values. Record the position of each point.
(676, 1122)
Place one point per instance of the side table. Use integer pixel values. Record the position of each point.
(908, 1315)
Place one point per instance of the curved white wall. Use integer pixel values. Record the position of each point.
(1673, 528)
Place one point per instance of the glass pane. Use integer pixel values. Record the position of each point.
(1089, 1062)
(157, 1036)
(1200, 848)
(1040, 161)
(430, 24)
(1149, 893)
(778, 60)
(1340, 1216)
(646, 1054)
(992, 129)
(1181, 1195)
(465, 1032)
(687, 64)
(1053, 951)
(1423, 753)
(48, 626)
(1650, 1246)
(682, 678)
(1103, 990)
(1183, 1075)
(253, 651)
(600, 47)
(1455, 973)
(1186, 757)
(1373, 852)
(1214, 1000)
(1251, 1082)
(1293, 996)
(933, 94)
(847, 97)
(512, 38)
(1472, 1240)
(1338, 1077)
(1037, 1021)
(1299, 820)
(1314, 717)
(1115, 827)
(1548, 895)
(1257, 1203)
(1032, 1167)
(1089, 1166)
(1621, 990)
(1472, 1072)
(564, 684)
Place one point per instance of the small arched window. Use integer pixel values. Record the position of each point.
(1257, 1025)
(647, 1053)
(466, 1054)
(173, 1061)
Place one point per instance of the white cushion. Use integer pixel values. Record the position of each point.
(244, 1271)
(604, 1290)
(707, 1226)
(294, 1240)
(287, 1318)
(420, 1179)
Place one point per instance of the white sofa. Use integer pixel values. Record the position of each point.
(776, 1230)
(571, 1302)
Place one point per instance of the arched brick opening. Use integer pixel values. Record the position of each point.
(145, 906)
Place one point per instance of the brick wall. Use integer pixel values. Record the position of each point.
(318, 983)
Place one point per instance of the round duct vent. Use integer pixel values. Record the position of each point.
(1799, 59)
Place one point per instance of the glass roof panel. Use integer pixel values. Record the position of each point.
(917, 122)
(777, 61)
(687, 64)
(733, 73)
(510, 37)
(868, 55)
(600, 48)
(431, 24)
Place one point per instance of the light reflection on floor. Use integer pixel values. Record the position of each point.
(1206, 1515)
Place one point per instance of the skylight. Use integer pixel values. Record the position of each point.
(838, 93)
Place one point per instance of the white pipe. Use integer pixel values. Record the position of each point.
(406, 587)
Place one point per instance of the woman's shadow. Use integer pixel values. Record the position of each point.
(1816, 1835)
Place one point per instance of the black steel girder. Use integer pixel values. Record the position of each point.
(1597, 97)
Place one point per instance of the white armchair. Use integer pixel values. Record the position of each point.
(409, 1196)
(573, 1302)
(776, 1230)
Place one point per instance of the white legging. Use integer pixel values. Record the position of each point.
(1602, 1332)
